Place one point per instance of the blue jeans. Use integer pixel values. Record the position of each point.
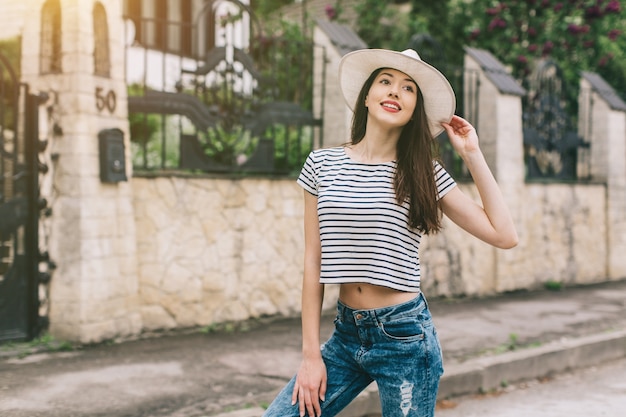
(395, 346)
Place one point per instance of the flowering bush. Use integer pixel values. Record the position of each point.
(576, 34)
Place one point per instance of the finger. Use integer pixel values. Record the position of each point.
(312, 407)
(318, 408)
(301, 402)
(323, 390)
(294, 394)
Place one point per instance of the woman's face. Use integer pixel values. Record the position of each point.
(392, 98)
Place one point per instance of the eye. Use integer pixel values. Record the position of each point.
(385, 81)
(409, 88)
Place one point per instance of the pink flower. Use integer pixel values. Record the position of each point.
(331, 13)
(612, 7)
(474, 34)
(492, 11)
(575, 29)
(593, 12)
(558, 7)
(532, 47)
(497, 23)
(547, 48)
(522, 59)
(605, 60)
(614, 34)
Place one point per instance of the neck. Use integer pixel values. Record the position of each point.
(377, 146)
(372, 152)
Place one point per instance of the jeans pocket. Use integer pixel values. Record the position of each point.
(405, 329)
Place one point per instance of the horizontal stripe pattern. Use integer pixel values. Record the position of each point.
(364, 232)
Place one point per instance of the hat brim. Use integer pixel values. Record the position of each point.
(439, 99)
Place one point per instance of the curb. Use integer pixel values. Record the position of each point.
(489, 373)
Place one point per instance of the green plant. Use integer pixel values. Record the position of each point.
(266, 7)
(44, 343)
(159, 148)
(553, 285)
(284, 55)
(577, 35)
(381, 26)
(513, 342)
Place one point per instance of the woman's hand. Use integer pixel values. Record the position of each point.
(310, 387)
(462, 136)
(491, 221)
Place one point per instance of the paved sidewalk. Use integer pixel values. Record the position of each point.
(486, 342)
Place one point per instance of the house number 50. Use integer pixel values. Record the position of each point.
(105, 101)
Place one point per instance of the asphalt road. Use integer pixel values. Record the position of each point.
(592, 392)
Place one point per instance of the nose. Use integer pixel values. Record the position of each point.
(392, 92)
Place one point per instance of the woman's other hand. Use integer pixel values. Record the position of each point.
(310, 387)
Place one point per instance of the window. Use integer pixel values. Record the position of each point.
(101, 59)
(172, 26)
(50, 53)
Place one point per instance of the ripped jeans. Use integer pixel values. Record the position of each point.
(395, 346)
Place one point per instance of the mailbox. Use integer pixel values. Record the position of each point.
(112, 155)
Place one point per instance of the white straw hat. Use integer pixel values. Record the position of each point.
(439, 100)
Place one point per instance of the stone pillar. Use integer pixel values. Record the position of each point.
(335, 40)
(602, 118)
(92, 240)
(498, 121)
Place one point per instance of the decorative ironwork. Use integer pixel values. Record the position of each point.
(19, 208)
(241, 108)
(551, 144)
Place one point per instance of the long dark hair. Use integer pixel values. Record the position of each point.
(415, 152)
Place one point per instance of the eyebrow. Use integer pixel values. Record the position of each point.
(392, 76)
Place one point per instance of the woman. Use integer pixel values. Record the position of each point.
(367, 205)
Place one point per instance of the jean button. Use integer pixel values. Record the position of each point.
(359, 316)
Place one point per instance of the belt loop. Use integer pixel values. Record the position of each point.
(342, 311)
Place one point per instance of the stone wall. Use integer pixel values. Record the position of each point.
(216, 250)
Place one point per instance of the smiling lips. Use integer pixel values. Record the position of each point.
(391, 106)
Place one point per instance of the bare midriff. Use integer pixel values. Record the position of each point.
(363, 296)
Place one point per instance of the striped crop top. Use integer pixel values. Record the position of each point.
(364, 232)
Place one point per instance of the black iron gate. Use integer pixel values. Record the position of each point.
(553, 149)
(19, 208)
(227, 97)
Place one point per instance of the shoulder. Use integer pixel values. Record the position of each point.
(324, 153)
(443, 179)
(327, 155)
